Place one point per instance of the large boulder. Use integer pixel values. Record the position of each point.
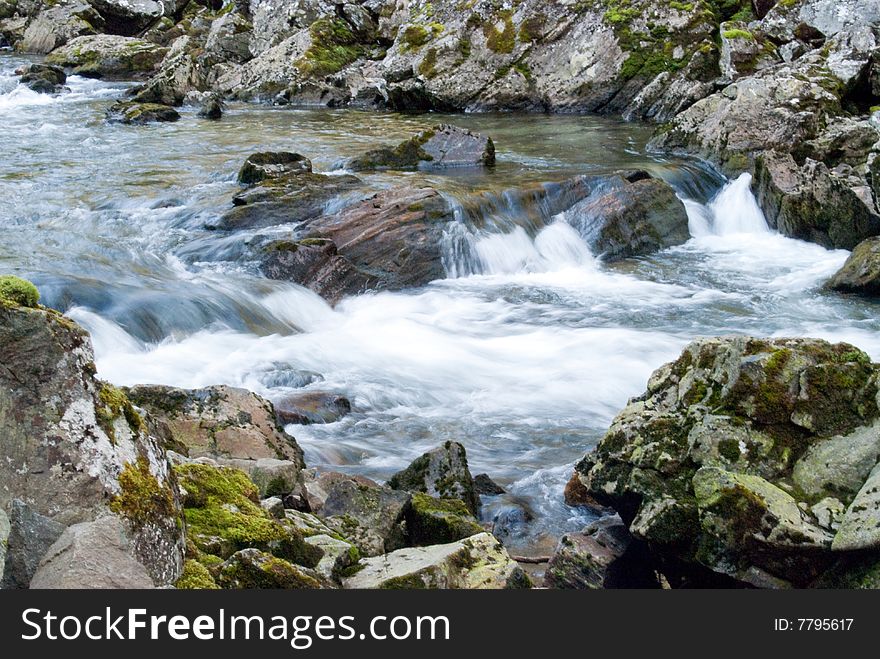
(229, 37)
(57, 24)
(442, 472)
(719, 464)
(861, 272)
(478, 562)
(441, 147)
(128, 17)
(74, 448)
(108, 55)
(29, 537)
(219, 422)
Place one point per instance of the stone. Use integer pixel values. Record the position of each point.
(312, 407)
(839, 465)
(29, 537)
(131, 112)
(272, 165)
(96, 554)
(371, 516)
(441, 147)
(43, 78)
(274, 506)
(743, 52)
(229, 38)
(434, 521)
(478, 562)
(861, 272)
(318, 486)
(485, 485)
(220, 421)
(128, 17)
(339, 556)
(273, 477)
(4, 541)
(442, 472)
(103, 55)
(56, 24)
(251, 568)
(860, 526)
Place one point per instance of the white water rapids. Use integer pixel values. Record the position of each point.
(525, 362)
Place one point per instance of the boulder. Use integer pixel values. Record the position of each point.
(861, 272)
(860, 526)
(29, 537)
(211, 106)
(4, 542)
(390, 241)
(219, 422)
(272, 476)
(441, 472)
(128, 17)
(274, 506)
(339, 556)
(108, 55)
(434, 521)
(743, 52)
(43, 78)
(229, 38)
(57, 24)
(251, 568)
(478, 562)
(268, 165)
(603, 555)
(182, 72)
(96, 554)
(317, 486)
(74, 448)
(196, 576)
(133, 112)
(441, 147)
(485, 485)
(311, 407)
(724, 462)
(370, 516)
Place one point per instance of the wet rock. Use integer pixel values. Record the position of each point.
(267, 165)
(181, 72)
(56, 24)
(861, 272)
(441, 147)
(701, 465)
(211, 107)
(485, 485)
(43, 78)
(390, 241)
(108, 55)
(131, 112)
(312, 407)
(251, 568)
(74, 448)
(219, 421)
(432, 521)
(95, 554)
(603, 555)
(512, 521)
(29, 537)
(370, 516)
(477, 562)
(442, 472)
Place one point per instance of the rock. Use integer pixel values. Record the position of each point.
(108, 55)
(318, 486)
(485, 485)
(512, 521)
(268, 165)
(43, 78)
(229, 38)
(181, 72)
(312, 407)
(861, 272)
(603, 555)
(307, 524)
(476, 562)
(390, 241)
(251, 568)
(4, 541)
(196, 577)
(29, 537)
(132, 112)
(630, 218)
(275, 20)
(219, 421)
(57, 24)
(701, 465)
(860, 526)
(743, 52)
(128, 17)
(224, 516)
(434, 521)
(211, 107)
(370, 516)
(441, 147)
(274, 506)
(96, 554)
(442, 472)
(74, 449)
(339, 556)
(812, 203)
(273, 477)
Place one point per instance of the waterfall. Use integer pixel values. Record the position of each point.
(734, 210)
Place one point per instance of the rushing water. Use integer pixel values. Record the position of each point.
(524, 352)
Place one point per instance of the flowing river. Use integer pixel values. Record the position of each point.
(524, 353)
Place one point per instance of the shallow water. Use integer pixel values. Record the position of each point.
(524, 353)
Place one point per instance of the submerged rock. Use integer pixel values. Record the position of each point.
(728, 460)
(267, 165)
(131, 112)
(441, 147)
(442, 472)
(108, 55)
(476, 562)
(312, 407)
(861, 272)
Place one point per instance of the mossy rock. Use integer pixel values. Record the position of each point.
(251, 568)
(195, 576)
(132, 112)
(15, 291)
(433, 521)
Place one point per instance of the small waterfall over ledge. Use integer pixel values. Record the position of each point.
(733, 210)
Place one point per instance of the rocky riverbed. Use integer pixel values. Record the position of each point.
(351, 290)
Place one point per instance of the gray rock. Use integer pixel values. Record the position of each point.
(478, 562)
(312, 407)
(229, 38)
(839, 465)
(96, 554)
(272, 476)
(370, 516)
(485, 485)
(860, 526)
(138, 113)
(442, 472)
(4, 541)
(43, 78)
(57, 24)
(270, 165)
(861, 272)
(252, 568)
(128, 17)
(338, 555)
(441, 147)
(274, 506)
(30, 536)
(108, 55)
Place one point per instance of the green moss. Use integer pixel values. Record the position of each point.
(406, 582)
(500, 41)
(428, 64)
(334, 46)
(532, 28)
(142, 499)
(433, 521)
(738, 34)
(19, 292)
(261, 570)
(729, 449)
(113, 404)
(415, 36)
(351, 570)
(195, 577)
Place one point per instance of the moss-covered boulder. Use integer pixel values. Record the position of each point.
(441, 472)
(133, 112)
(223, 516)
(861, 272)
(251, 568)
(478, 562)
(195, 576)
(103, 55)
(272, 165)
(741, 455)
(441, 147)
(434, 521)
